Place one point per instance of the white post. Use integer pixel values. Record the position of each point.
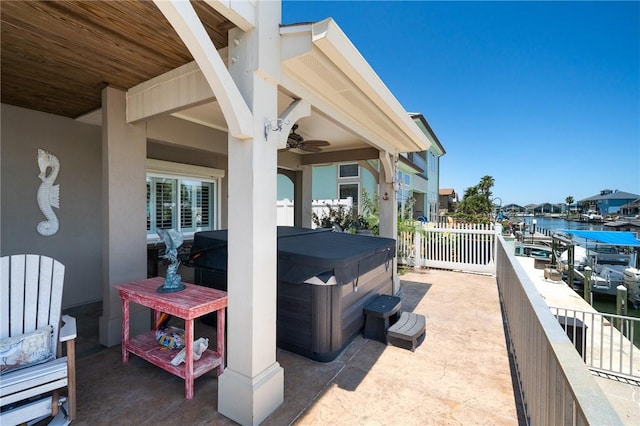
(417, 241)
(498, 232)
(303, 202)
(389, 212)
(252, 385)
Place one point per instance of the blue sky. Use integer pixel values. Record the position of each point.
(543, 96)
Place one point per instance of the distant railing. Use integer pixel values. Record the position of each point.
(608, 343)
(456, 246)
(556, 385)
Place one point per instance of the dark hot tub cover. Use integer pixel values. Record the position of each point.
(305, 253)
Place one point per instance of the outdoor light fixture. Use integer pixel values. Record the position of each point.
(273, 126)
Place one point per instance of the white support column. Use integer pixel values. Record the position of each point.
(124, 152)
(252, 385)
(389, 208)
(302, 197)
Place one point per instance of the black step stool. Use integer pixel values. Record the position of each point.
(379, 314)
(409, 328)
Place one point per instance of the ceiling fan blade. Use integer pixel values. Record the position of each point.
(309, 148)
(315, 143)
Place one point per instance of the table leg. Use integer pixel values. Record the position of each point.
(220, 339)
(125, 330)
(156, 317)
(188, 359)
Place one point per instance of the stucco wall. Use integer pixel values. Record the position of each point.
(325, 183)
(172, 139)
(285, 188)
(77, 244)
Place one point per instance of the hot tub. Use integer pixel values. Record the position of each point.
(324, 280)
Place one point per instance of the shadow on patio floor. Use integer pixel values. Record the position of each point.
(459, 374)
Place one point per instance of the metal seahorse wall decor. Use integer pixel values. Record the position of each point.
(48, 193)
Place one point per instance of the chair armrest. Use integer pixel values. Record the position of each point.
(68, 330)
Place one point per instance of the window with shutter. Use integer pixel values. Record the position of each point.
(165, 203)
(179, 201)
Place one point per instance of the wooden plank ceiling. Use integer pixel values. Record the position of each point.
(57, 56)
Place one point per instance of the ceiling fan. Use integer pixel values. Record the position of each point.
(296, 141)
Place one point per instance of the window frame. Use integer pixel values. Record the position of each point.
(356, 202)
(356, 176)
(179, 172)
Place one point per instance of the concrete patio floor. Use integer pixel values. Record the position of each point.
(460, 374)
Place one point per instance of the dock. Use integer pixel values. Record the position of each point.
(623, 394)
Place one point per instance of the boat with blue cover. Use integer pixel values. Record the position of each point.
(609, 254)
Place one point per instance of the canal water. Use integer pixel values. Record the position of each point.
(555, 224)
(602, 303)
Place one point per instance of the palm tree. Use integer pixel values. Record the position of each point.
(485, 185)
(476, 204)
(569, 201)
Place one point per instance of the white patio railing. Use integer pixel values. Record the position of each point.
(608, 343)
(556, 386)
(464, 247)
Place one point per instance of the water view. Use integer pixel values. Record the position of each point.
(601, 302)
(555, 224)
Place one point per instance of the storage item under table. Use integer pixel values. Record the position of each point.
(324, 280)
(188, 304)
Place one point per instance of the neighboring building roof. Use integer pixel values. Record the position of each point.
(511, 206)
(607, 194)
(447, 191)
(425, 127)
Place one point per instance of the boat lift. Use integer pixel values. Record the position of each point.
(600, 238)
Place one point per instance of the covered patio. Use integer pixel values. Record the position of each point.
(460, 372)
(126, 92)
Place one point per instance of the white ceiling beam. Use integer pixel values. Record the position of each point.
(330, 157)
(289, 160)
(388, 164)
(187, 25)
(335, 113)
(241, 13)
(294, 112)
(329, 38)
(177, 89)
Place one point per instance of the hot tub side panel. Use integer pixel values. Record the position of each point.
(295, 317)
(319, 321)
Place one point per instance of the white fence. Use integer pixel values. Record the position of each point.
(465, 247)
(285, 211)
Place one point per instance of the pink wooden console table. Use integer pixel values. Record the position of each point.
(188, 304)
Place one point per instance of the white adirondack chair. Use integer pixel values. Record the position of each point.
(30, 298)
